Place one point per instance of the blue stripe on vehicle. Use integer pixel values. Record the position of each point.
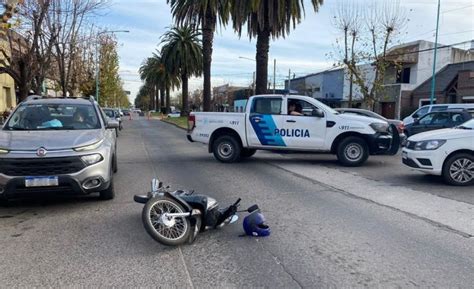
(265, 130)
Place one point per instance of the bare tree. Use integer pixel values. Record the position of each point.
(367, 34)
(69, 18)
(28, 53)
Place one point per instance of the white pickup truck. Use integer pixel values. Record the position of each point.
(267, 124)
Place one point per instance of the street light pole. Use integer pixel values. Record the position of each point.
(433, 78)
(97, 68)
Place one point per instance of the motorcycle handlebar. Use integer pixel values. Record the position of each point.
(238, 201)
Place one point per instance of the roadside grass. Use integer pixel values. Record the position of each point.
(181, 121)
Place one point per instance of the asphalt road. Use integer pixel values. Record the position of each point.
(320, 237)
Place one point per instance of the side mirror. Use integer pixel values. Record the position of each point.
(415, 116)
(416, 120)
(112, 124)
(317, 113)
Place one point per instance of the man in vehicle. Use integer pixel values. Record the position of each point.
(294, 108)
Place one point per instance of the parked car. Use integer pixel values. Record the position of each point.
(445, 152)
(270, 123)
(396, 126)
(436, 107)
(126, 112)
(113, 113)
(438, 120)
(62, 145)
(175, 113)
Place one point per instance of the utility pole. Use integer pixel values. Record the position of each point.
(433, 78)
(289, 81)
(253, 83)
(274, 74)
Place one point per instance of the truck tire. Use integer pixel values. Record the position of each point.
(458, 171)
(246, 153)
(352, 151)
(227, 149)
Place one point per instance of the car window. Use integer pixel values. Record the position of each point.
(53, 116)
(440, 118)
(457, 118)
(300, 106)
(426, 119)
(266, 105)
(439, 108)
(110, 113)
(422, 111)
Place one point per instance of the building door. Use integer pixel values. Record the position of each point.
(8, 96)
(388, 109)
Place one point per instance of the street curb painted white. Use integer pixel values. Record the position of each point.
(172, 124)
(452, 214)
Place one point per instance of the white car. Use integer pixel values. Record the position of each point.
(445, 152)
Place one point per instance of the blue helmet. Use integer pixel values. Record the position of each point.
(254, 225)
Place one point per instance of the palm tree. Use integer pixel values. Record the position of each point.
(159, 79)
(150, 72)
(182, 55)
(265, 19)
(204, 14)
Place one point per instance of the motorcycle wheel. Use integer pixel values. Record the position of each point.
(170, 233)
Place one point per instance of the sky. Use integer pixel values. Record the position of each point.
(306, 50)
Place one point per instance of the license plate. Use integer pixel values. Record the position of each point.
(41, 182)
(404, 155)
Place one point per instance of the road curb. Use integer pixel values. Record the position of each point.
(173, 124)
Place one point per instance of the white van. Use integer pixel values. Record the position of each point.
(436, 107)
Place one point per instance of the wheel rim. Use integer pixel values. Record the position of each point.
(168, 228)
(462, 170)
(354, 151)
(225, 150)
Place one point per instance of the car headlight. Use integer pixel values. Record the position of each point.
(379, 127)
(89, 147)
(4, 151)
(429, 144)
(92, 159)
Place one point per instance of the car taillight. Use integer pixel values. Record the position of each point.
(191, 122)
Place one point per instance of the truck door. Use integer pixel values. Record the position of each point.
(263, 120)
(302, 128)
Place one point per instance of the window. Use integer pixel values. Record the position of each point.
(403, 76)
(439, 108)
(457, 118)
(440, 118)
(421, 112)
(301, 106)
(426, 119)
(52, 116)
(267, 105)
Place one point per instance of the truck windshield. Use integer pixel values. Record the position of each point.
(53, 116)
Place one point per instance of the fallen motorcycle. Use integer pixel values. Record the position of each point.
(176, 217)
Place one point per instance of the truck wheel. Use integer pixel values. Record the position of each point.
(352, 151)
(246, 153)
(458, 170)
(227, 149)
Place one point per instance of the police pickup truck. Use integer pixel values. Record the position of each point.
(267, 124)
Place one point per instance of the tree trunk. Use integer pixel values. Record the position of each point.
(207, 40)
(184, 91)
(162, 99)
(263, 46)
(157, 99)
(22, 92)
(168, 103)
